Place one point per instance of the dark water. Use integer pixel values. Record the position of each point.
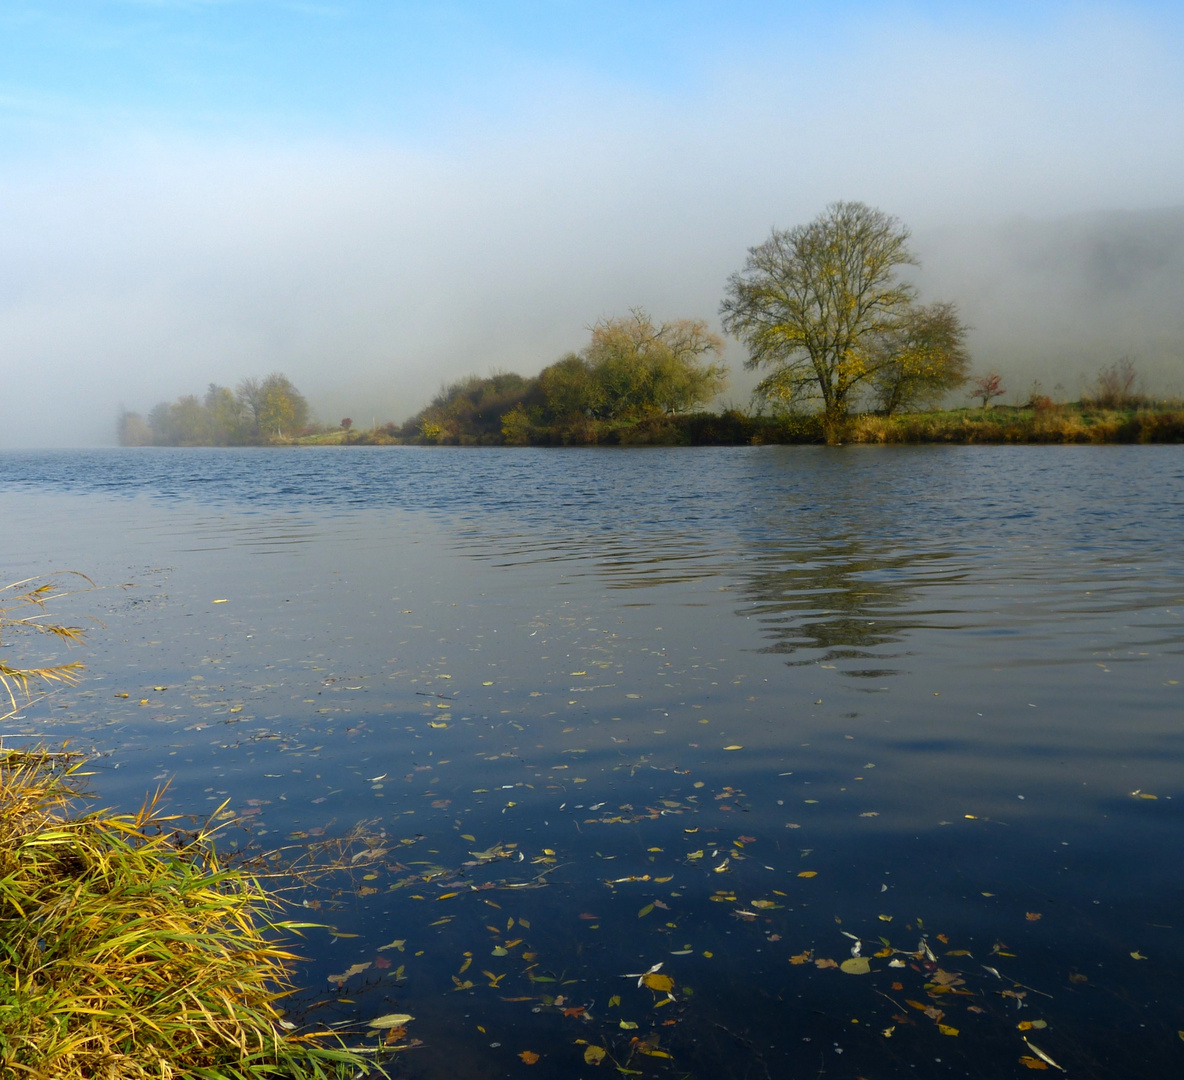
(670, 684)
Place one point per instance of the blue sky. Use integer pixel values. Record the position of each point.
(375, 196)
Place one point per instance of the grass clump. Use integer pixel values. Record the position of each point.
(128, 951)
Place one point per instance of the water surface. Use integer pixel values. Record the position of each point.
(719, 709)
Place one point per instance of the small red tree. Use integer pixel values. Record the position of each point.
(986, 387)
(347, 423)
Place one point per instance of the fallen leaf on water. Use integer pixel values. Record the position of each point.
(645, 911)
(447, 895)
(1136, 955)
(807, 873)
(733, 747)
(1029, 1025)
(945, 1029)
(628, 1025)
(1032, 1062)
(1042, 1055)
(397, 944)
(801, 958)
(614, 1001)
(594, 1055)
(220, 601)
(824, 964)
(355, 969)
(1033, 916)
(857, 965)
(529, 1056)
(656, 981)
(391, 1020)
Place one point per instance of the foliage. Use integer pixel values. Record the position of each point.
(986, 387)
(818, 306)
(130, 952)
(636, 367)
(259, 410)
(918, 362)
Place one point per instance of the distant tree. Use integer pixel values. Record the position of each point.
(921, 359)
(224, 416)
(347, 423)
(131, 430)
(516, 427)
(249, 394)
(813, 303)
(986, 387)
(639, 367)
(570, 388)
(1114, 387)
(282, 409)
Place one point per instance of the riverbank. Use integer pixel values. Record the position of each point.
(1072, 423)
(131, 951)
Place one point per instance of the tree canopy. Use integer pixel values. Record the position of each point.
(259, 410)
(821, 308)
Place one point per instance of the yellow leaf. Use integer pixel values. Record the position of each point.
(614, 1001)
(945, 1029)
(801, 958)
(807, 873)
(645, 911)
(594, 1055)
(1032, 1062)
(391, 1020)
(733, 747)
(628, 1025)
(857, 965)
(657, 981)
(447, 895)
(529, 1056)
(220, 601)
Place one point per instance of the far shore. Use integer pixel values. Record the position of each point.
(1055, 424)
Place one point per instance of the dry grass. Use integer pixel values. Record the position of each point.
(128, 951)
(1056, 424)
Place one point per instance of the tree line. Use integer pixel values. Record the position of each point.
(257, 411)
(821, 308)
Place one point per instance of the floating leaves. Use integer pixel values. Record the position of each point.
(529, 1057)
(594, 1055)
(857, 965)
(390, 1020)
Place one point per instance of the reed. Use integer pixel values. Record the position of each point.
(128, 951)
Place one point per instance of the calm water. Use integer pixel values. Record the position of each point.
(733, 711)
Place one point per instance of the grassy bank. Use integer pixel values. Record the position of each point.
(129, 951)
(999, 424)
